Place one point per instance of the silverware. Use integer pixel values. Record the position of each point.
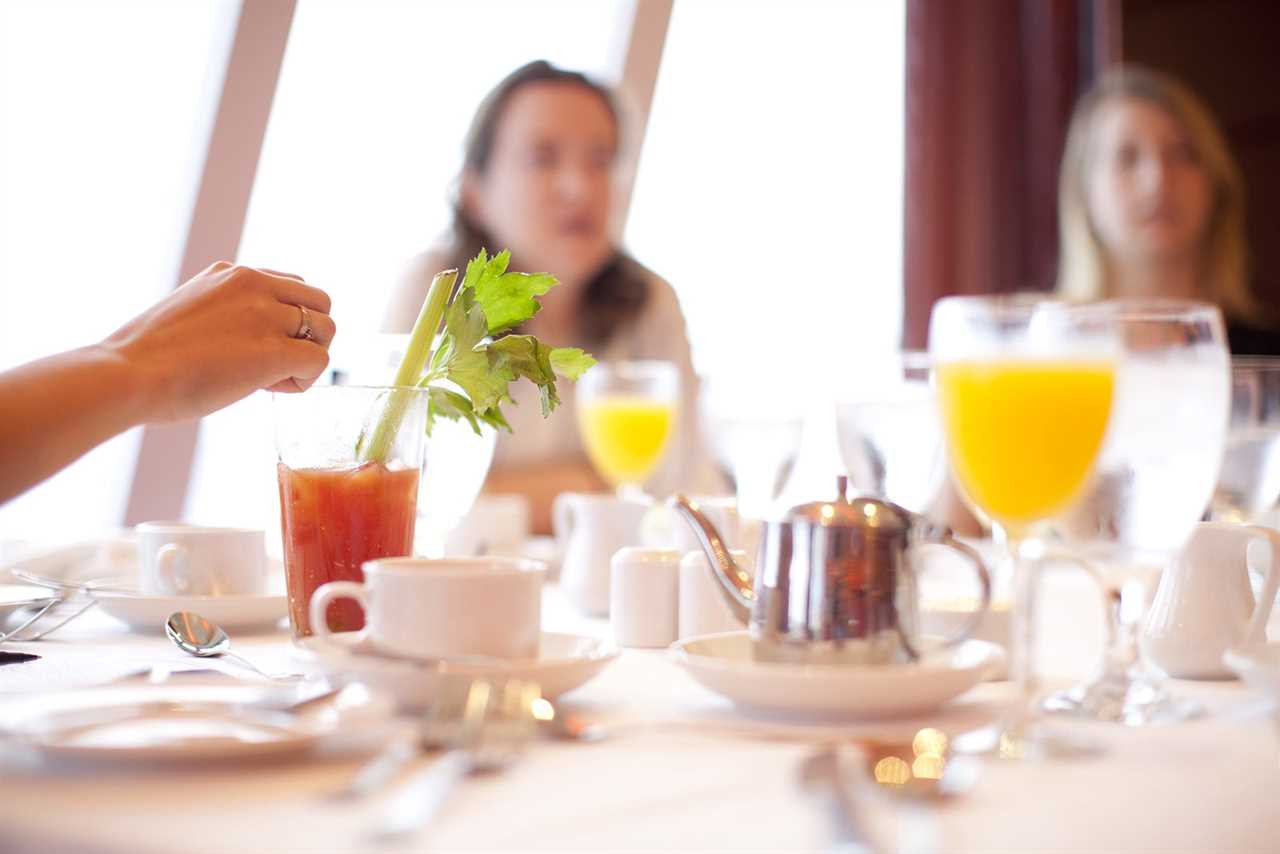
(205, 639)
(71, 586)
(820, 773)
(487, 733)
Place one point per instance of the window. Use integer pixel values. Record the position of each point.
(769, 192)
(365, 138)
(104, 132)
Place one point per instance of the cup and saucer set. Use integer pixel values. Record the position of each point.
(428, 621)
(223, 574)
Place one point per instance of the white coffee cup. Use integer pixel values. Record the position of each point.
(444, 607)
(178, 559)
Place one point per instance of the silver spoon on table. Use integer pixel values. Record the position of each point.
(199, 637)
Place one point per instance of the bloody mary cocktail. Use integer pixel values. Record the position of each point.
(332, 521)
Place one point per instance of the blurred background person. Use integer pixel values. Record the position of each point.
(1151, 203)
(538, 179)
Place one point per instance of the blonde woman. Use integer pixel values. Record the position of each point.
(1151, 203)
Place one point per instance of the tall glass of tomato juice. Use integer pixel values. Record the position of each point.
(338, 508)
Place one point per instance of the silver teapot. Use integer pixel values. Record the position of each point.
(835, 581)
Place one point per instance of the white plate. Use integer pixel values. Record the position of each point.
(161, 724)
(148, 613)
(14, 597)
(724, 663)
(1258, 665)
(564, 662)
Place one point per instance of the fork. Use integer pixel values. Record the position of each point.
(496, 721)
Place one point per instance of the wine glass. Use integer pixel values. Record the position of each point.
(889, 435)
(1249, 483)
(627, 415)
(1154, 478)
(1024, 391)
(754, 442)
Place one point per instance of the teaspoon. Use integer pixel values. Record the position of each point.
(199, 637)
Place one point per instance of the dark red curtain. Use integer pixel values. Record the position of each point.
(990, 85)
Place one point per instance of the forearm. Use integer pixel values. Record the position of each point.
(541, 483)
(58, 408)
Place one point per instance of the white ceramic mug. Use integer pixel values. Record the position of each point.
(444, 607)
(589, 529)
(177, 559)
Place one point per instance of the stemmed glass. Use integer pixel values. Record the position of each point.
(1025, 392)
(627, 415)
(889, 434)
(754, 443)
(1249, 483)
(1154, 478)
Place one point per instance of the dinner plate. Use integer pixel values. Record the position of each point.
(148, 613)
(725, 664)
(14, 597)
(564, 662)
(161, 724)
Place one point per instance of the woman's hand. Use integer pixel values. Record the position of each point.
(224, 334)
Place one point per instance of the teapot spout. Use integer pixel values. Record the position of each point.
(735, 583)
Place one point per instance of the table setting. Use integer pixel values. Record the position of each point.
(699, 672)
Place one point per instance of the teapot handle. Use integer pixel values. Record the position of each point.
(946, 538)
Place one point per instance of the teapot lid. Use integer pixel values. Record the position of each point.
(856, 513)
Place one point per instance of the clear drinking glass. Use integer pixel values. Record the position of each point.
(339, 509)
(459, 462)
(754, 444)
(1025, 391)
(889, 434)
(1154, 479)
(627, 415)
(1249, 483)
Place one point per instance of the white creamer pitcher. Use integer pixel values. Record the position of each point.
(590, 528)
(1204, 604)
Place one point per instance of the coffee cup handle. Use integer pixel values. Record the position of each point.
(326, 594)
(1257, 631)
(971, 622)
(173, 566)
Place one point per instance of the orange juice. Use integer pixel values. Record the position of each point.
(625, 436)
(1023, 434)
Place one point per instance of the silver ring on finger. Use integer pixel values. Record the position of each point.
(304, 325)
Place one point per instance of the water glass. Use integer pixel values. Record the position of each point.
(889, 434)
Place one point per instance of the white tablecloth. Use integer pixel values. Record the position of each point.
(700, 776)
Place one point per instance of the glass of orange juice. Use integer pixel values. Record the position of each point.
(627, 415)
(1024, 390)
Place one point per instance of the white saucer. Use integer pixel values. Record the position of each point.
(161, 724)
(1258, 665)
(148, 613)
(564, 662)
(725, 664)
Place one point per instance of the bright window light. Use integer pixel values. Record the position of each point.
(105, 124)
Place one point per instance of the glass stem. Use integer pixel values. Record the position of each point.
(1126, 605)
(1022, 655)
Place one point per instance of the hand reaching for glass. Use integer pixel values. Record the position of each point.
(227, 332)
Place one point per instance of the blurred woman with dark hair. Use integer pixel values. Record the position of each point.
(538, 179)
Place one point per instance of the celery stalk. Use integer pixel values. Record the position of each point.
(411, 367)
